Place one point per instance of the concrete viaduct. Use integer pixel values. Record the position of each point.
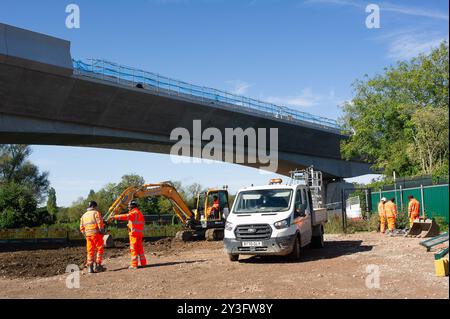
(45, 100)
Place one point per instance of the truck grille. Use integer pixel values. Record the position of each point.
(253, 232)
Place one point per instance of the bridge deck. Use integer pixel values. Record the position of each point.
(111, 72)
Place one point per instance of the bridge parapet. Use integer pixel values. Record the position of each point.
(37, 51)
(112, 72)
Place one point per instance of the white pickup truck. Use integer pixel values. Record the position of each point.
(273, 219)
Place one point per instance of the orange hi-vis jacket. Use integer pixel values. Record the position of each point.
(135, 220)
(414, 208)
(391, 209)
(91, 223)
(381, 209)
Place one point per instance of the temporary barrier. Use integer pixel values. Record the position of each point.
(434, 199)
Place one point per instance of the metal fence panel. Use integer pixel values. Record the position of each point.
(435, 201)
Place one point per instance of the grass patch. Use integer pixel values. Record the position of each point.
(334, 225)
(443, 224)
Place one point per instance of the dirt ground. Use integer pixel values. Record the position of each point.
(202, 270)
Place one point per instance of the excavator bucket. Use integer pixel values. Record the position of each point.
(108, 241)
(422, 228)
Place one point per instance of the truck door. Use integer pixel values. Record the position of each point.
(302, 217)
(306, 221)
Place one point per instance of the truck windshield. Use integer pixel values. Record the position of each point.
(264, 200)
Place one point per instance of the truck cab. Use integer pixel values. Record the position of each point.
(273, 219)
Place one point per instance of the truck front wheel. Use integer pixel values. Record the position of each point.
(233, 257)
(296, 251)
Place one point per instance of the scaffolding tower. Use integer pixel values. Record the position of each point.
(311, 178)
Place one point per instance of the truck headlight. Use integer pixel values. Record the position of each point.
(228, 226)
(285, 223)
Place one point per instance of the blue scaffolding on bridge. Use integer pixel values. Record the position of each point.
(109, 71)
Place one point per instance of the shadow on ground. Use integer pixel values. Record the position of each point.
(332, 249)
(163, 264)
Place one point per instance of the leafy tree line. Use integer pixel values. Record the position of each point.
(106, 196)
(399, 120)
(22, 188)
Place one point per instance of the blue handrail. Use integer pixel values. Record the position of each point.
(120, 74)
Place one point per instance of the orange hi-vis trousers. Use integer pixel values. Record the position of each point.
(137, 251)
(94, 243)
(391, 222)
(382, 224)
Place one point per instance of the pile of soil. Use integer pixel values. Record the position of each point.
(46, 260)
(29, 261)
(172, 246)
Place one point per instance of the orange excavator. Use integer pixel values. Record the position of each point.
(205, 221)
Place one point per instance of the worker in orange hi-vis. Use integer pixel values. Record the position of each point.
(413, 209)
(382, 214)
(391, 214)
(93, 228)
(136, 223)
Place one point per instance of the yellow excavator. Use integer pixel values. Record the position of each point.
(205, 221)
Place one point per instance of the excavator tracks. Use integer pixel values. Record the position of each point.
(214, 234)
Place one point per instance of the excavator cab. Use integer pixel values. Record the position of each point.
(210, 219)
(212, 212)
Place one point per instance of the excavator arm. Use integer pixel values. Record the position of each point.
(165, 189)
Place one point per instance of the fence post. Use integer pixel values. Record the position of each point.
(395, 191)
(422, 201)
(343, 210)
(401, 198)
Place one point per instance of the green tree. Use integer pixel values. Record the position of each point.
(52, 207)
(129, 180)
(385, 117)
(22, 188)
(429, 149)
(15, 168)
(18, 207)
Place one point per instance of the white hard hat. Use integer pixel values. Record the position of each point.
(383, 199)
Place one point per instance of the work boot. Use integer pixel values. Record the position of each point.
(99, 268)
(90, 269)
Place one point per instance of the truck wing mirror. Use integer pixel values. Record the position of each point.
(301, 210)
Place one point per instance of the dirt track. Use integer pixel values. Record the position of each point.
(202, 270)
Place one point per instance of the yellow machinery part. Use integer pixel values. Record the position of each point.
(441, 267)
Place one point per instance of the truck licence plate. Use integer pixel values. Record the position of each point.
(252, 244)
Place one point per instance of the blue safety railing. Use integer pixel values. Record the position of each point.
(124, 75)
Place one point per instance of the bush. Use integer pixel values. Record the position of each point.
(357, 225)
(374, 222)
(402, 221)
(334, 225)
(443, 224)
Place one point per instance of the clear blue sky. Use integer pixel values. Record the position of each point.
(305, 54)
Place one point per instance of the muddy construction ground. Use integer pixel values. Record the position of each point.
(202, 270)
